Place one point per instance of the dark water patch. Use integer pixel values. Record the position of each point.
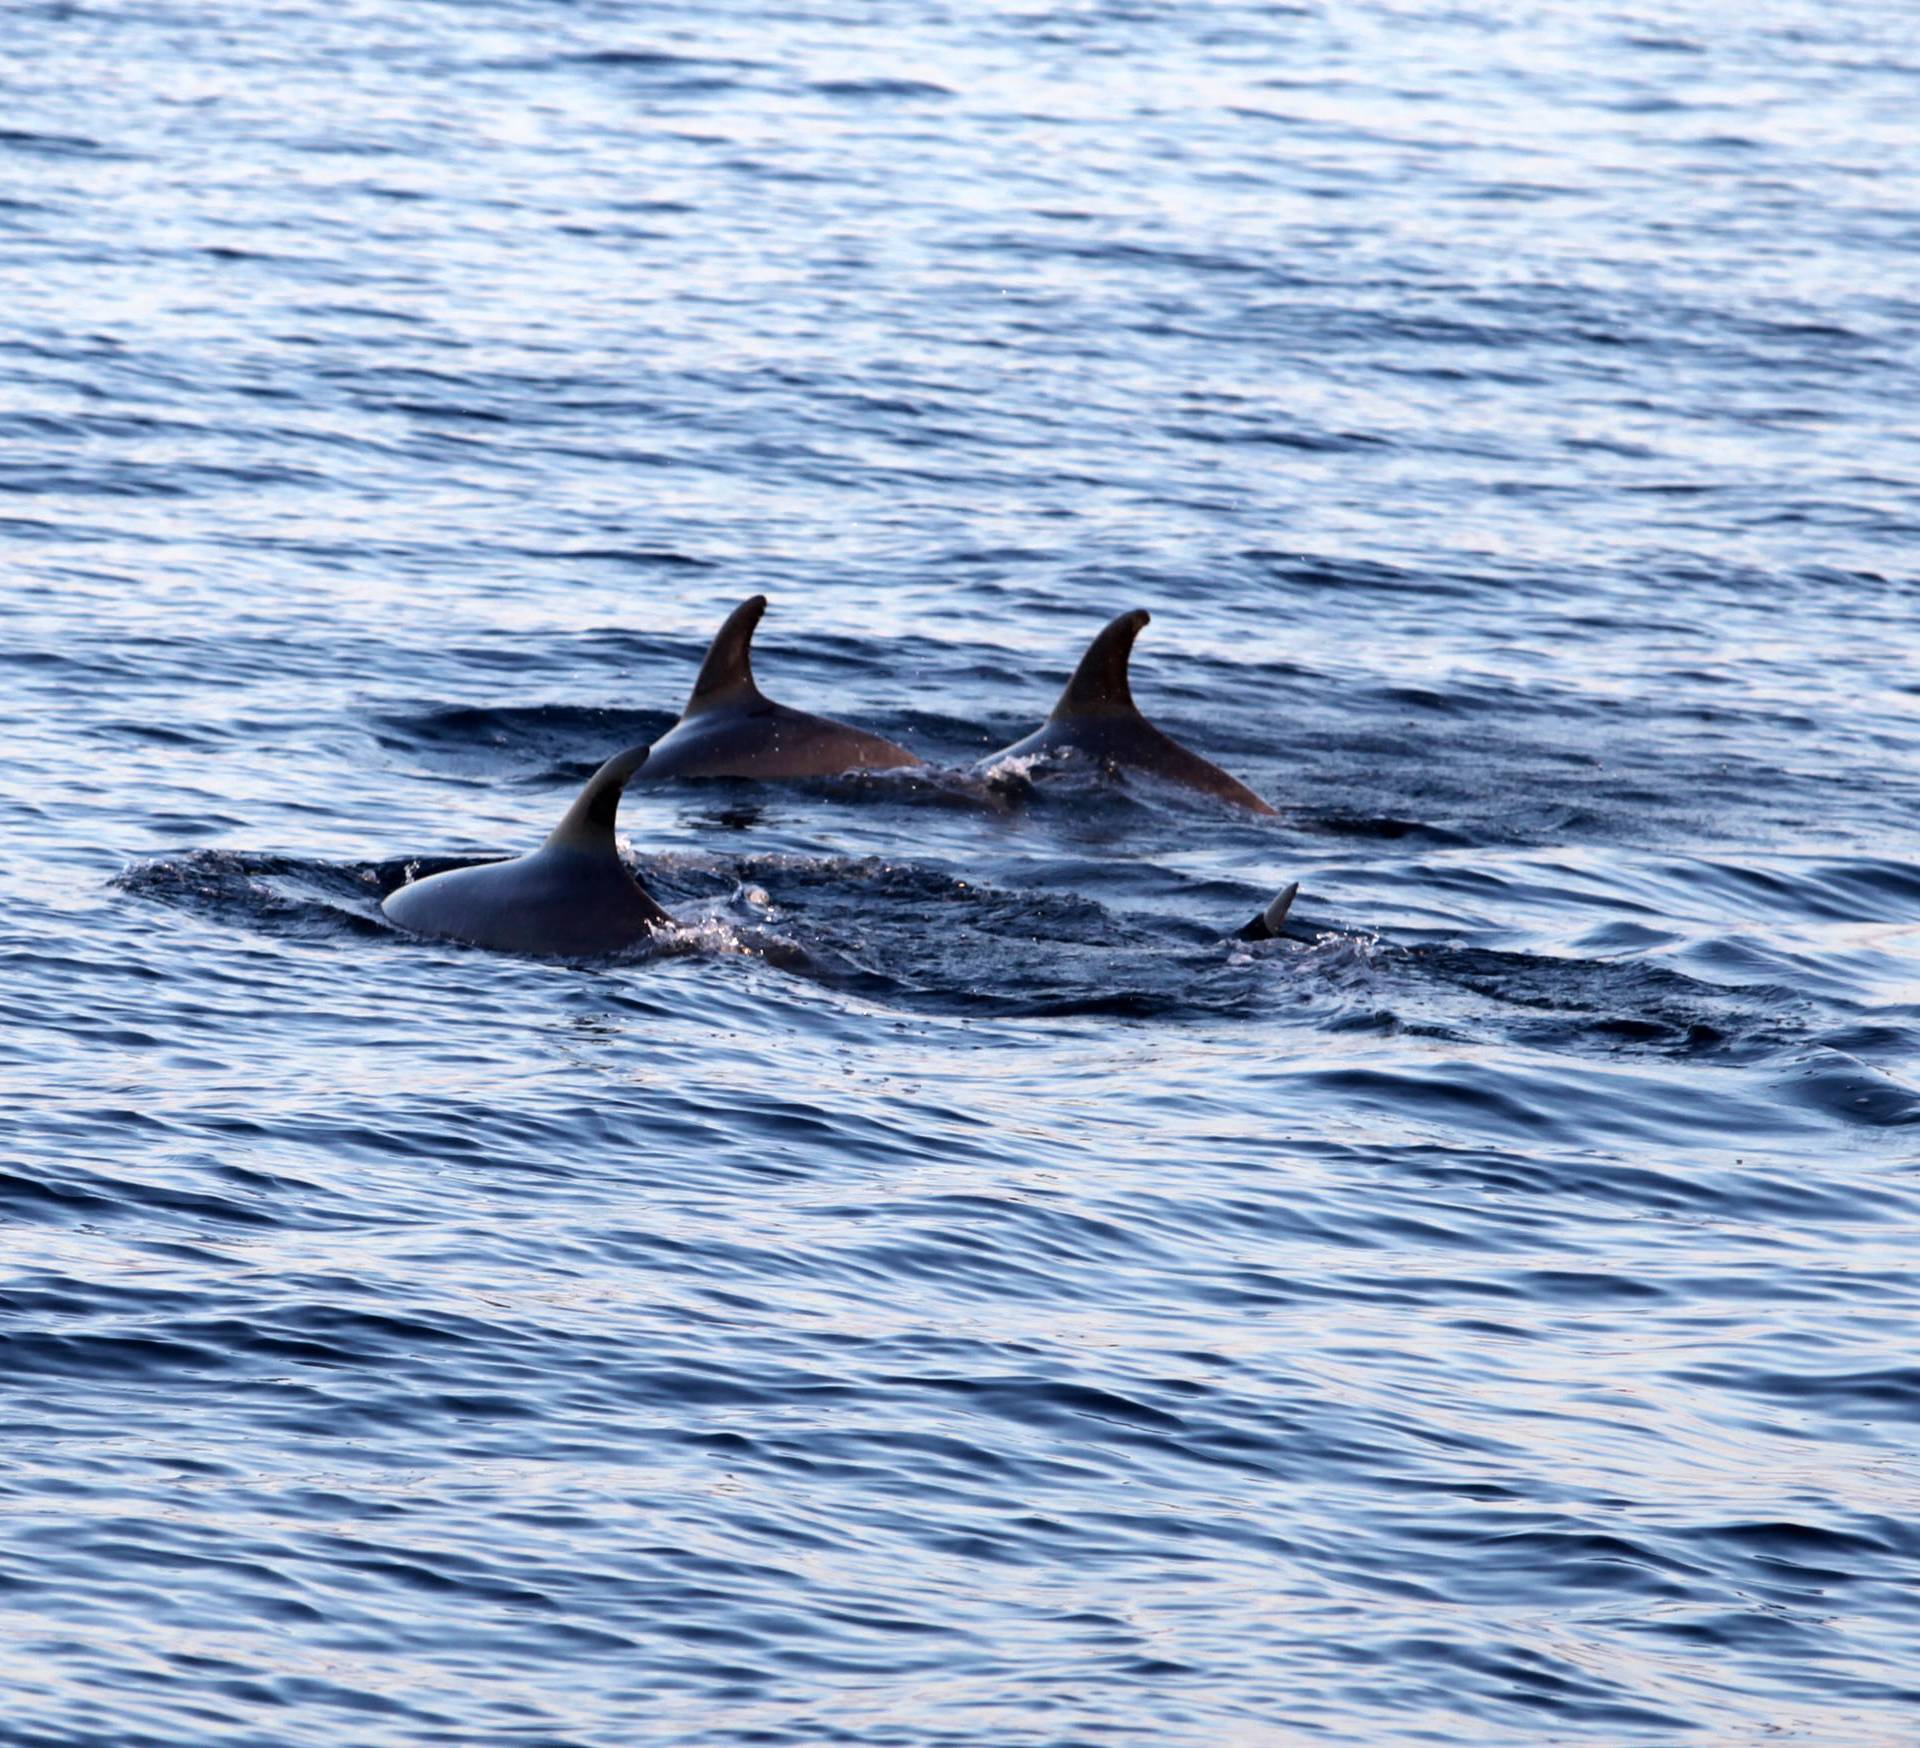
(471, 412)
(1864, 1402)
(1471, 1095)
(128, 479)
(643, 60)
(1571, 1558)
(903, 933)
(1610, 1001)
(1665, 45)
(281, 893)
(643, 558)
(121, 481)
(1310, 571)
(1515, 1688)
(143, 1359)
(158, 734)
(542, 740)
(1308, 442)
(879, 89)
(97, 423)
(103, 1194)
(1816, 1550)
(52, 145)
(1389, 830)
(1860, 890)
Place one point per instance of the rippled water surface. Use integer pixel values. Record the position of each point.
(950, 1291)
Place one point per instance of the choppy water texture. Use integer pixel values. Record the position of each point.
(949, 1292)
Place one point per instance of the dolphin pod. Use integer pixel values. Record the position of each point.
(574, 897)
(731, 729)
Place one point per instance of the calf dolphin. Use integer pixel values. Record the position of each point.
(572, 897)
(731, 729)
(1096, 716)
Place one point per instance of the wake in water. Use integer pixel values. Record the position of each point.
(922, 939)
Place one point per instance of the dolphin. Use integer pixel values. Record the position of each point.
(731, 729)
(572, 897)
(1096, 717)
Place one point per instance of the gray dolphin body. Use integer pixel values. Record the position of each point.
(731, 729)
(1097, 717)
(571, 898)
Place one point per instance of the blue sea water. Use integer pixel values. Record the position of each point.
(950, 1292)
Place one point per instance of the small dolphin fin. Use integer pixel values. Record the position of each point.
(726, 676)
(1269, 922)
(589, 822)
(1099, 685)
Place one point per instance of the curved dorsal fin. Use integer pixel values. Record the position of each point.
(726, 676)
(1273, 919)
(589, 822)
(1099, 684)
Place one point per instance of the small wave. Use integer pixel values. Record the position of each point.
(878, 88)
(1383, 828)
(1881, 1395)
(281, 893)
(543, 741)
(1841, 1086)
(1611, 1003)
(633, 58)
(640, 557)
(51, 145)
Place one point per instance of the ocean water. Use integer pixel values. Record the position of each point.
(950, 1291)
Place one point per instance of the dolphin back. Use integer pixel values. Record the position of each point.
(1097, 717)
(571, 898)
(557, 903)
(730, 728)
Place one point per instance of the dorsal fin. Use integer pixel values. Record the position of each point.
(590, 820)
(726, 676)
(1272, 920)
(1099, 684)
